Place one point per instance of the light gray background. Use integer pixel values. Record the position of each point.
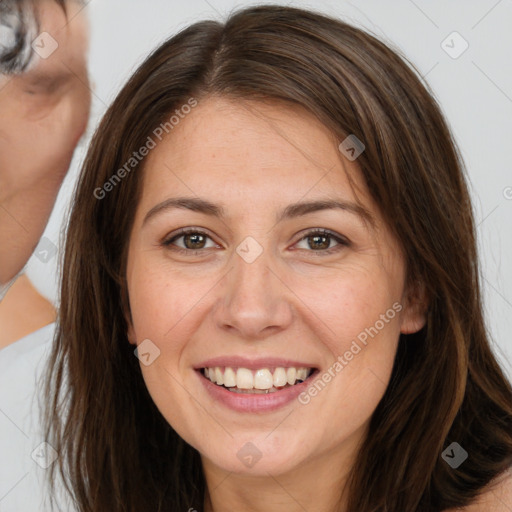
(474, 90)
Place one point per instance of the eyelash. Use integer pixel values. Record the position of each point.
(343, 242)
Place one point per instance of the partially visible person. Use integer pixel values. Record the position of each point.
(44, 109)
(44, 105)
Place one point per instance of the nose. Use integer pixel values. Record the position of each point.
(254, 302)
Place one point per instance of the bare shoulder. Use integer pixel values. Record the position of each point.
(497, 496)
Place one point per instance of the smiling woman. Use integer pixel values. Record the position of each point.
(304, 231)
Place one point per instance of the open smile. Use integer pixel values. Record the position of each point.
(255, 389)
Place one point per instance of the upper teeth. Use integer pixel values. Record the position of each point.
(264, 378)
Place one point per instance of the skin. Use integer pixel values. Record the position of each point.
(291, 302)
(44, 114)
(16, 321)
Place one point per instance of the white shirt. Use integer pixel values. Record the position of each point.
(23, 457)
(4, 288)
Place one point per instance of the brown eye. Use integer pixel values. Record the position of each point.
(193, 241)
(320, 241)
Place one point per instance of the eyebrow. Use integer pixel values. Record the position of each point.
(291, 211)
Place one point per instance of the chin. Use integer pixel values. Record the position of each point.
(257, 456)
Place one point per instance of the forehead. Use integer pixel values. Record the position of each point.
(250, 149)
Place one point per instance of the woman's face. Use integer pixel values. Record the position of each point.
(255, 295)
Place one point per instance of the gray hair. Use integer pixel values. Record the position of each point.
(18, 28)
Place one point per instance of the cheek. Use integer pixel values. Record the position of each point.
(357, 318)
(159, 305)
(164, 304)
(350, 302)
(81, 114)
(69, 122)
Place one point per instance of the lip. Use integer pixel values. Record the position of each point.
(254, 403)
(252, 364)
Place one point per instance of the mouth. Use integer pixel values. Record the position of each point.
(256, 381)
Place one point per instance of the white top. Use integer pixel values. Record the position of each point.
(23, 457)
(4, 288)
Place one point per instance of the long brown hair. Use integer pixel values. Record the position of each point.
(117, 451)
